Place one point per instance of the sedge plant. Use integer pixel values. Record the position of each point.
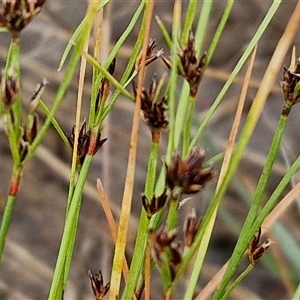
(167, 104)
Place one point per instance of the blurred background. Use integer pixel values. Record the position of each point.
(36, 228)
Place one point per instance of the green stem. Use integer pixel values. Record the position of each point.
(66, 80)
(244, 236)
(189, 19)
(297, 293)
(165, 270)
(173, 83)
(188, 125)
(67, 243)
(55, 124)
(202, 26)
(238, 281)
(14, 124)
(251, 121)
(13, 68)
(111, 56)
(259, 32)
(6, 218)
(266, 172)
(172, 219)
(9, 206)
(13, 140)
(142, 234)
(181, 112)
(219, 31)
(256, 224)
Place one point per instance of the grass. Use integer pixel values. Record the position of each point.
(169, 105)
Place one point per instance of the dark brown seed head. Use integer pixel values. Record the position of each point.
(17, 14)
(192, 68)
(31, 128)
(291, 80)
(152, 206)
(154, 111)
(36, 96)
(83, 142)
(88, 143)
(190, 228)
(96, 281)
(9, 91)
(175, 256)
(189, 174)
(160, 239)
(150, 55)
(257, 250)
(105, 86)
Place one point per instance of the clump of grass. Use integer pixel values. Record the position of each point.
(167, 104)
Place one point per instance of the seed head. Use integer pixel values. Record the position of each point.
(291, 80)
(257, 250)
(96, 281)
(159, 240)
(17, 14)
(86, 144)
(191, 68)
(36, 96)
(31, 128)
(9, 91)
(190, 228)
(163, 237)
(105, 86)
(152, 206)
(150, 56)
(175, 256)
(154, 111)
(189, 174)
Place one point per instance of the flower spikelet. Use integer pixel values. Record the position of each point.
(189, 174)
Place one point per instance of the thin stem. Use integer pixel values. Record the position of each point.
(55, 124)
(202, 25)
(128, 190)
(189, 19)
(235, 71)
(142, 233)
(173, 132)
(66, 80)
(266, 172)
(238, 281)
(251, 121)
(9, 206)
(13, 68)
(74, 199)
(14, 124)
(187, 126)
(64, 254)
(173, 215)
(258, 103)
(219, 30)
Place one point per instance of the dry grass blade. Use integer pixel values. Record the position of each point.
(237, 120)
(274, 215)
(228, 154)
(78, 109)
(129, 181)
(281, 208)
(266, 85)
(110, 220)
